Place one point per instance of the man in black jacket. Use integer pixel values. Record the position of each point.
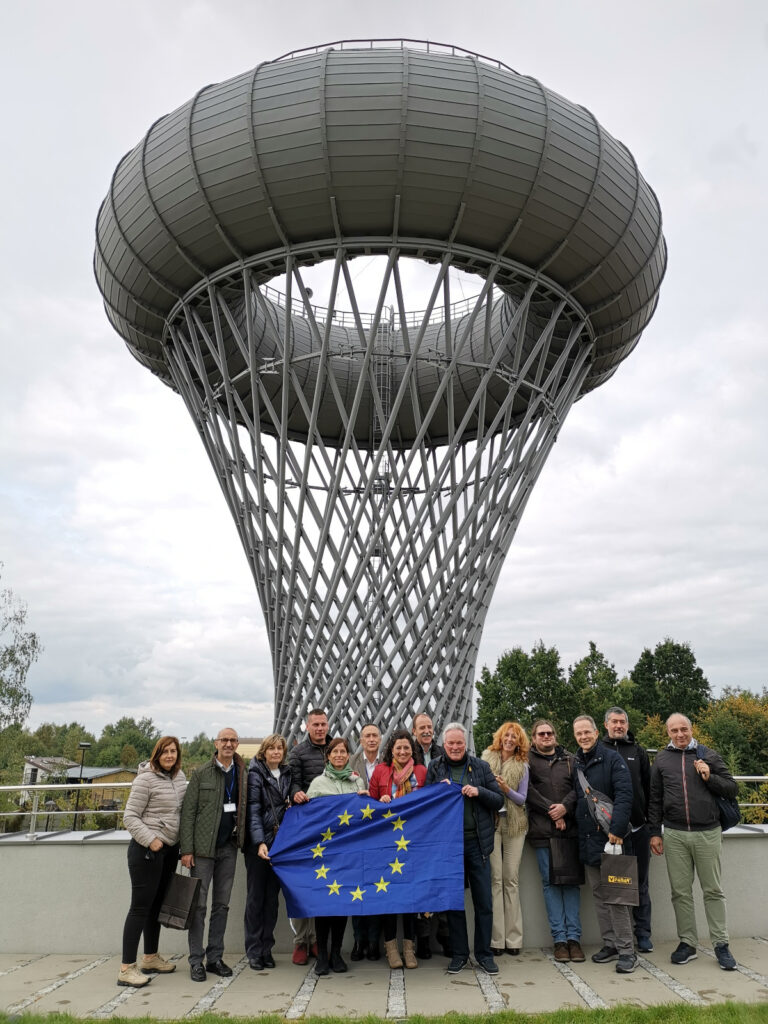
(481, 799)
(551, 801)
(307, 761)
(638, 842)
(607, 773)
(686, 779)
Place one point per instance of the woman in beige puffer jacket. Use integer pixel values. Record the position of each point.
(152, 815)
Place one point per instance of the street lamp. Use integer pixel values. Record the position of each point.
(83, 747)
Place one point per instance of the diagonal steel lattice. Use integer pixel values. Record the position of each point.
(375, 555)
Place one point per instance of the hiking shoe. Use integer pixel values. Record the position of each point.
(157, 964)
(300, 956)
(457, 964)
(644, 944)
(131, 977)
(683, 954)
(626, 963)
(561, 953)
(575, 951)
(605, 955)
(489, 965)
(725, 957)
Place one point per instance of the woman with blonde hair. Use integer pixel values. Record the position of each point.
(152, 815)
(508, 760)
(269, 787)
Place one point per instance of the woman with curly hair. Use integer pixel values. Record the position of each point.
(508, 759)
(393, 778)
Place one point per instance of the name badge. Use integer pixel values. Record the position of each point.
(230, 808)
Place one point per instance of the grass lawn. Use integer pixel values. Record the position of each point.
(676, 1013)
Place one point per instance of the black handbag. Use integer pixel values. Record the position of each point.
(179, 902)
(565, 868)
(618, 879)
(730, 812)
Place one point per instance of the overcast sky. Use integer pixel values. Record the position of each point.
(650, 517)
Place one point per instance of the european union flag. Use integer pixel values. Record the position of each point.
(351, 854)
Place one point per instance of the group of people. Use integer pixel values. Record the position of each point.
(519, 789)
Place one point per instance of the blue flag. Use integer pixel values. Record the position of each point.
(354, 855)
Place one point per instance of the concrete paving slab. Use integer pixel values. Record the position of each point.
(705, 977)
(260, 992)
(529, 984)
(362, 990)
(430, 987)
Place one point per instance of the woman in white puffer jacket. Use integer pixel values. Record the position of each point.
(152, 816)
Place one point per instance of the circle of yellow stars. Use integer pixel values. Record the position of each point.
(396, 866)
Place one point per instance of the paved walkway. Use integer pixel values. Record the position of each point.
(533, 982)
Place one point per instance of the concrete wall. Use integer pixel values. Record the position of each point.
(60, 896)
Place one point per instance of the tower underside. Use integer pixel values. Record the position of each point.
(376, 549)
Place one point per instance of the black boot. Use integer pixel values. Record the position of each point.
(321, 964)
(338, 966)
(423, 949)
(359, 951)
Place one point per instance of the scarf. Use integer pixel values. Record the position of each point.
(515, 821)
(401, 776)
(338, 774)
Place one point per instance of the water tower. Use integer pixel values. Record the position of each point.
(377, 443)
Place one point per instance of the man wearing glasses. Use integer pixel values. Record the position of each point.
(212, 831)
(551, 801)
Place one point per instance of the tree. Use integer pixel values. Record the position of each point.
(596, 687)
(129, 757)
(19, 649)
(197, 751)
(736, 726)
(141, 735)
(522, 688)
(669, 680)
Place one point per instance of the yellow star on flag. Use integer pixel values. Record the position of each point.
(345, 818)
(317, 851)
(402, 843)
(367, 812)
(327, 835)
(397, 867)
(334, 887)
(398, 824)
(357, 894)
(381, 885)
(321, 872)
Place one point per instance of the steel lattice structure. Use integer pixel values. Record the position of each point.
(376, 461)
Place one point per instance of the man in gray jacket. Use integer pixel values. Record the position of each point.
(686, 779)
(212, 831)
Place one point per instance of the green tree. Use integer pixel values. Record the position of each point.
(129, 757)
(196, 751)
(523, 687)
(19, 649)
(736, 725)
(596, 687)
(669, 680)
(141, 735)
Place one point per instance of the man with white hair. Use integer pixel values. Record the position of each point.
(482, 798)
(686, 779)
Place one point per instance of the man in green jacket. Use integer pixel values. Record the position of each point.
(212, 830)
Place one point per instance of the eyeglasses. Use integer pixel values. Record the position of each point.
(233, 742)
(543, 732)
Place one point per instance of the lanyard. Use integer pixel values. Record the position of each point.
(229, 789)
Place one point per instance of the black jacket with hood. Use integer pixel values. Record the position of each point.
(639, 764)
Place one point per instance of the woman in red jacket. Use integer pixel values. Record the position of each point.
(396, 776)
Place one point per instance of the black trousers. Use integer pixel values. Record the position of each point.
(261, 904)
(150, 874)
(389, 922)
(333, 926)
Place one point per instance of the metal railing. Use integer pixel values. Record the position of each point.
(39, 810)
(36, 795)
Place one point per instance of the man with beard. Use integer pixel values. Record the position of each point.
(551, 802)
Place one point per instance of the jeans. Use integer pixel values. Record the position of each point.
(639, 843)
(150, 874)
(261, 904)
(219, 869)
(477, 870)
(562, 903)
